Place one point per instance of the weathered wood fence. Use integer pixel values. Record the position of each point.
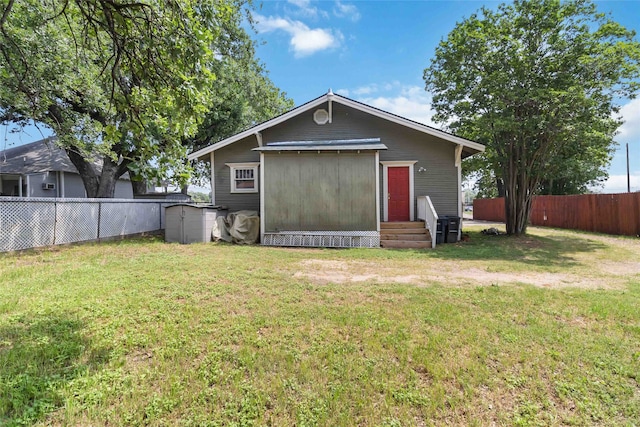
(602, 213)
(30, 222)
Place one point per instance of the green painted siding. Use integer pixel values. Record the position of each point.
(239, 152)
(320, 192)
(440, 179)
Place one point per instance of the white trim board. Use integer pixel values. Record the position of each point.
(330, 98)
(262, 199)
(232, 178)
(385, 186)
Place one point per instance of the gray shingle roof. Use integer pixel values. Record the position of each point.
(35, 157)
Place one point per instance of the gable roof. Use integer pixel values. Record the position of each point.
(36, 157)
(469, 147)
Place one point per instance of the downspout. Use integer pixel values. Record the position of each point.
(262, 199)
(458, 163)
(330, 98)
(213, 179)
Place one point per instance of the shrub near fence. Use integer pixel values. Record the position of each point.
(30, 222)
(602, 213)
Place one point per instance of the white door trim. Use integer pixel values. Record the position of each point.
(385, 186)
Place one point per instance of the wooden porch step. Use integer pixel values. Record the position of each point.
(403, 231)
(405, 244)
(401, 224)
(423, 235)
(404, 235)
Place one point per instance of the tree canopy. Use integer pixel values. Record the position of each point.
(538, 82)
(125, 84)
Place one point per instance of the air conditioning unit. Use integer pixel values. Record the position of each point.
(48, 186)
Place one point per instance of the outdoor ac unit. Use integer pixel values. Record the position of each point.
(48, 186)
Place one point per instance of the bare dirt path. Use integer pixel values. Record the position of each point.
(611, 266)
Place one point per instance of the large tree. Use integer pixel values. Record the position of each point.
(538, 82)
(124, 84)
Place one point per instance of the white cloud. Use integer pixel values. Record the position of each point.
(618, 183)
(343, 10)
(630, 129)
(343, 92)
(305, 9)
(411, 102)
(366, 90)
(304, 40)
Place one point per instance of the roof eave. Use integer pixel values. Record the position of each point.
(258, 128)
(471, 146)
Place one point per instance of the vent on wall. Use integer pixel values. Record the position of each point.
(48, 186)
(321, 116)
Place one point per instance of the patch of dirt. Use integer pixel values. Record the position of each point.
(620, 268)
(334, 271)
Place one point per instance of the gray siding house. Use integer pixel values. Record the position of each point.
(42, 169)
(337, 172)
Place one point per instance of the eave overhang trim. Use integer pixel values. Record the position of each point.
(470, 147)
(368, 144)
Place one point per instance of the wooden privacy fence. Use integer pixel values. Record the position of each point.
(602, 213)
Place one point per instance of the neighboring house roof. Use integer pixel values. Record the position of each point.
(469, 147)
(36, 157)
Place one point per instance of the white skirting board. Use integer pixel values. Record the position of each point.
(324, 239)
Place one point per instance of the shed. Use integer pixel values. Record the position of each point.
(190, 223)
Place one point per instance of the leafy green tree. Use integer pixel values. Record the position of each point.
(124, 84)
(537, 82)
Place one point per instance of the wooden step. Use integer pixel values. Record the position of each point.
(404, 231)
(418, 236)
(401, 224)
(405, 244)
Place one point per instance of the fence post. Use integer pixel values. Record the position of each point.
(99, 218)
(55, 220)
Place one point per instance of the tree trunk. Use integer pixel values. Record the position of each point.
(102, 185)
(87, 171)
(500, 187)
(517, 201)
(138, 183)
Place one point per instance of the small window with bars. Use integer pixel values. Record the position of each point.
(244, 178)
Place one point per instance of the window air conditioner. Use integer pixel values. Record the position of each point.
(48, 186)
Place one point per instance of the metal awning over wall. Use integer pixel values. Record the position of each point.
(368, 144)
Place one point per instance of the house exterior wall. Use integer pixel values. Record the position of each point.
(440, 178)
(325, 191)
(124, 189)
(239, 152)
(73, 185)
(35, 184)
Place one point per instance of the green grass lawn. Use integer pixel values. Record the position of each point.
(539, 330)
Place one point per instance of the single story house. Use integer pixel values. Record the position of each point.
(335, 172)
(42, 169)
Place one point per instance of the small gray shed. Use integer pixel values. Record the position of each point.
(189, 223)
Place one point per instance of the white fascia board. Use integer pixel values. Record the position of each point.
(349, 103)
(409, 123)
(258, 128)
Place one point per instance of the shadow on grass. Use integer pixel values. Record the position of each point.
(39, 355)
(529, 249)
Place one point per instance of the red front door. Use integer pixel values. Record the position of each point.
(398, 197)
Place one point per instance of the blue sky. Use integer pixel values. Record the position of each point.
(376, 51)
